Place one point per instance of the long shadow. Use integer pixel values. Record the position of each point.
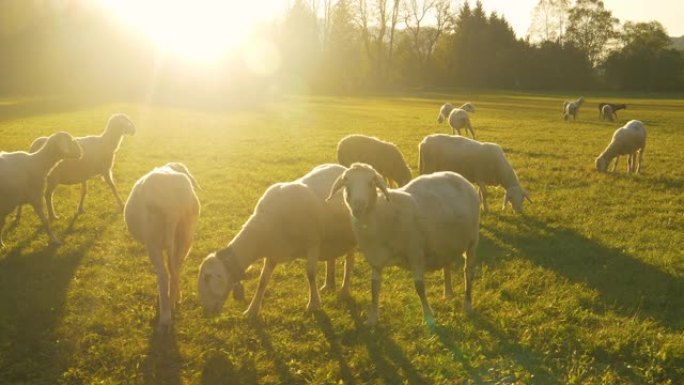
(625, 284)
(281, 367)
(326, 326)
(33, 288)
(163, 362)
(218, 370)
(380, 347)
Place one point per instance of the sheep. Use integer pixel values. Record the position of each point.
(22, 177)
(614, 107)
(458, 118)
(448, 107)
(161, 212)
(572, 108)
(383, 156)
(98, 158)
(607, 113)
(627, 140)
(481, 163)
(290, 220)
(421, 227)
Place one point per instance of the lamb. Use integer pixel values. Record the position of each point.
(290, 220)
(448, 107)
(458, 118)
(481, 163)
(607, 113)
(383, 156)
(161, 212)
(572, 108)
(627, 140)
(422, 227)
(614, 108)
(22, 177)
(98, 158)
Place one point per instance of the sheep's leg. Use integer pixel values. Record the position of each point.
(641, 157)
(157, 258)
(84, 191)
(419, 283)
(468, 275)
(469, 127)
(311, 260)
(253, 308)
(483, 196)
(49, 191)
(37, 205)
(348, 269)
(110, 182)
(376, 280)
(630, 163)
(329, 285)
(182, 250)
(448, 289)
(617, 158)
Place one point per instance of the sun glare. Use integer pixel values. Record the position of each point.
(198, 30)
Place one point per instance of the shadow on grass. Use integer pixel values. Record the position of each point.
(391, 364)
(326, 326)
(33, 288)
(163, 362)
(625, 284)
(281, 368)
(218, 370)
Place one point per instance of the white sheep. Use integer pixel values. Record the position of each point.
(627, 140)
(458, 118)
(446, 109)
(571, 108)
(422, 226)
(383, 156)
(483, 164)
(607, 113)
(290, 220)
(97, 159)
(161, 212)
(22, 177)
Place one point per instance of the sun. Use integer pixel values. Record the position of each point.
(198, 30)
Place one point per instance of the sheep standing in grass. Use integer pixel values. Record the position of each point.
(614, 108)
(481, 163)
(446, 109)
(97, 159)
(458, 118)
(422, 226)
(627, 140)
(607, 113)
(383, 156)
(572, 108)
(161, 212)
(290, 220)
(22, 176)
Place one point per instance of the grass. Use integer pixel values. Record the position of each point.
(586, 288)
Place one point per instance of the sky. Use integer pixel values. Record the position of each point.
(670, 13)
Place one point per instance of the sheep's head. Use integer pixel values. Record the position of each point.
(404, 175)
(180, 168)
(580, 100)
(468, 108)
(444, 112)
(215, 282)
(360, 183)
(601, 164)
(121, 123)
(66, 145)
(516, 196)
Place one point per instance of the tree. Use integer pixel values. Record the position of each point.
(549, 19)
(590, 28)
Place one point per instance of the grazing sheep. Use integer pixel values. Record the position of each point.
(458, 118)
(383, 156)
(161, 212)
(290, 220)
(98, 158)
(22, 176)
(572, 108)
(627, 140)
(607, 113)
(448, 107)
(614, 108)
(481, 163)
(422, 226)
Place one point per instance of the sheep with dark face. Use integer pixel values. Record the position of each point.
(291, 220)
(97, 159)
(22, 176)
(629, 139)
(607, 113)
(613, 107)
(383, 156)
(422, 226)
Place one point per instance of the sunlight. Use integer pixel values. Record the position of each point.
(199, 30)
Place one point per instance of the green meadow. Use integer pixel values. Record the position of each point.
(587, 287)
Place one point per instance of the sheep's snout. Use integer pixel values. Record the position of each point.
(358, 207)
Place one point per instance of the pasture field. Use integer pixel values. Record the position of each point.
(586, 288)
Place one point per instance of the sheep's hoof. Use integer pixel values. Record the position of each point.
(430, 321)
(345, 293)
(251, 315)
(467, 308)
(372, 320)
(55, 242)
(164, 327)
(80, 211)
(313, 307)
(53, 217)
(327, 289)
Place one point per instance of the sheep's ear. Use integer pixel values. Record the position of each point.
(340, 182)
(382, 185)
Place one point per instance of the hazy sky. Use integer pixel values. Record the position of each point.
(670, 13)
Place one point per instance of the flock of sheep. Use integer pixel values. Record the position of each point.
(368, 202)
